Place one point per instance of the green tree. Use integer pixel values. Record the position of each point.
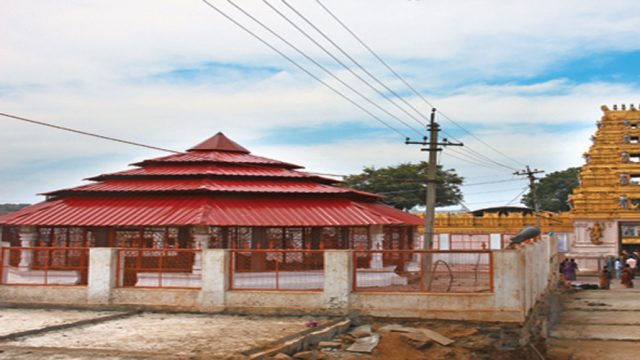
(7, 208)
(404, 185)
(554, 189)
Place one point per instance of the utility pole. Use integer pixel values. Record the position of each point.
(432, 171)
(532, 188)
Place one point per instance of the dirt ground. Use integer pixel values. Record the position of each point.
(471, 341)
(18, 320)
(152, 335)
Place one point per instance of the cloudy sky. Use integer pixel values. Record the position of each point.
(526, 77)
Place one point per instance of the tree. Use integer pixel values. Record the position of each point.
(554, 189)
(7, 208)
(404, 185)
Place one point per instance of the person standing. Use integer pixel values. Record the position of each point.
(605, 277)
(573, 269)
(617, 266)
(627, 276)
(633, 263)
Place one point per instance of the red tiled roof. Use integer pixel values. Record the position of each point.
(207, 211)
(218, 157)
(205, 170)
(214, 185)
(247, 190)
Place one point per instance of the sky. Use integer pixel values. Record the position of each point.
(527, 78)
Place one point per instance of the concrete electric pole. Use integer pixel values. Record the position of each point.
(532, 188)
(432, 172)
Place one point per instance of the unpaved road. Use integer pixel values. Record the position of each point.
(148, 335)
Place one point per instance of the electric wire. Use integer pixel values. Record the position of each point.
(406, 83)
(517, 196)
(127, 142)
(336, 91)
(492, 182)
(322, 67)
(109, 138)
(477, 160)
(346, 54)
(467, 161)
(342, 63)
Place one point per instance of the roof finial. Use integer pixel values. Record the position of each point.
(219, 142)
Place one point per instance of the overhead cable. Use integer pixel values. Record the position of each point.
(90, 134)
(315, 77)
(346, 54)
(322, 67)
(406, 83)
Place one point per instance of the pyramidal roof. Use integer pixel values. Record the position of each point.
(219, 142)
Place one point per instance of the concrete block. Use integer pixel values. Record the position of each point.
(338, 279)
(215, 277)
(102, 275)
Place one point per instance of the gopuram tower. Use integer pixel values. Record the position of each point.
(606, 205)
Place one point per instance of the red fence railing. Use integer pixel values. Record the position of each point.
(50, 266)
(276, 269)
(159, 268)
(423, 271)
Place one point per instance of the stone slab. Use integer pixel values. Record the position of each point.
(603, 317)
(597, 350)
(597, 332)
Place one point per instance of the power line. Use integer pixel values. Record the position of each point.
(362, 68)
(324, 35)
(406, 83)
(492, 182)
(339, 93)
(479, 155)
(122, 141)
(479, 160)
(517, 196)
(90, 134)
(468, 161)
(341, 63)
(322, 67)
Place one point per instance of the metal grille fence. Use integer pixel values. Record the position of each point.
(159, 268)
(403, 271)
(276, 269)
(49, 266)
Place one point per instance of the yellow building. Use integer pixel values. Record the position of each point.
(606, 205)
(605, 208)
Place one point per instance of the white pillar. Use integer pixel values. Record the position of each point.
(102, 275)
(509, 291)
(215, 277)
(201, 239)
(338, 279)
(28, 236)
(445, 244)
(495, 241)
(377, 239)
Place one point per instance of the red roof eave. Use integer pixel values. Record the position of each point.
(185, 210)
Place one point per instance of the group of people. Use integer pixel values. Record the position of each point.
(568, 269)
(625, 267)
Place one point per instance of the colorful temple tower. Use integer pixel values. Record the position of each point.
(606, 205)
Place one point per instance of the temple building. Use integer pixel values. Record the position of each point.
(215, 195)
(606, 206)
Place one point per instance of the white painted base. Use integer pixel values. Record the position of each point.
(37, 277)
(187, 280)
(313, 280)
